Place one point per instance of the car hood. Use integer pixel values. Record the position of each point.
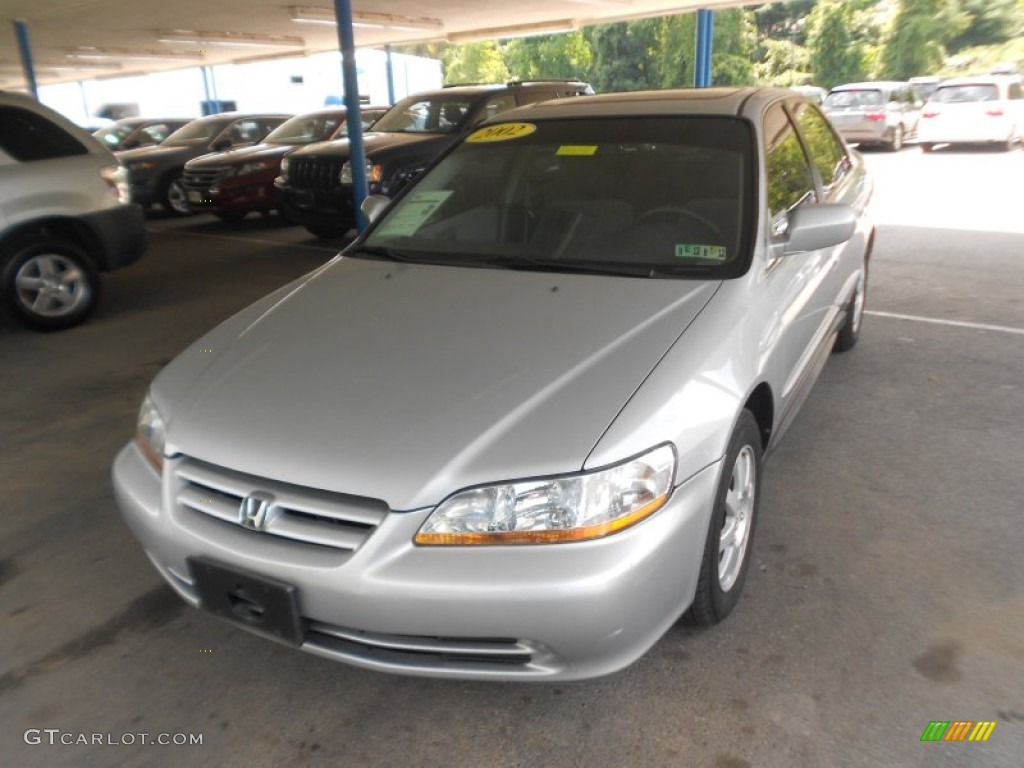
(241, 155)
(160, 152)
(409, 382)
(374, 141)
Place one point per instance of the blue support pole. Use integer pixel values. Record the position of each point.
(350, 80)
(705, 37)
(25, 49)
(391, 75)
(206, 85)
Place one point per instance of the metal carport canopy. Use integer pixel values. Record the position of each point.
(84, 39)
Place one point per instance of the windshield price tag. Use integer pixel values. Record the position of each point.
(414, 210)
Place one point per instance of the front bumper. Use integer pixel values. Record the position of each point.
(119, 233)
(319, 206)
(549, 612)
(235, 195)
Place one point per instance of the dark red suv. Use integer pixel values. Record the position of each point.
(231, 184)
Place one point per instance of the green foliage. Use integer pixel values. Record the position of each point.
(474, 63)
(623, 55)
(989, 21)
(836, 56)
(916, 39)
(563, 56)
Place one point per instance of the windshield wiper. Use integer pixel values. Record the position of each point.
(586, 267)
(389, 254)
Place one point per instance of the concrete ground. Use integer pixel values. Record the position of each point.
(888, 581)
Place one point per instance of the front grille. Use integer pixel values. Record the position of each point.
(314, 173)
(417, 652)
(305, 516)
(203, 179)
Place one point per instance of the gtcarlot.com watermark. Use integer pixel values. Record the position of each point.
(55, 736)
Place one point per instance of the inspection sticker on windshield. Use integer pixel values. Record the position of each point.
(709, 252)
(502, 132)
(413, 211)
(576, 150)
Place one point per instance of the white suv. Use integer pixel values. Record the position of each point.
(64, 216)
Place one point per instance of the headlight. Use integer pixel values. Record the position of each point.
(254, 167)
(117, 179)
(373, 173)
(569, 508)
(149, 433)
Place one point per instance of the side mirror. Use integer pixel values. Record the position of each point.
(813, 227)
(373, 206)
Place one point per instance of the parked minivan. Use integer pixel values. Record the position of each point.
(881, 113)
(987, 109)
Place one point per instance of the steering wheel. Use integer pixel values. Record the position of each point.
(675, 210)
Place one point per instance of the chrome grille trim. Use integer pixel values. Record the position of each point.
(314, 173)
(301, 515)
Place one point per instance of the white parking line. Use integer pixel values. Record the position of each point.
(332, 248)
(954, 323)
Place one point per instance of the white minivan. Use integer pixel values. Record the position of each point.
(974, 110)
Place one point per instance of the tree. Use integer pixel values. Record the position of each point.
(836, 56)
(920, 28)
(733, 46)
(988, 22)
(474, 63)
(549, 56)
(623, 55)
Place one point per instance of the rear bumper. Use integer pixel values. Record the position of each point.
(549, 612)
(936, 132)
(119, 234)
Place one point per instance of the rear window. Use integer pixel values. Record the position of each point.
(26, 136)
(644, 197)
(958, 94)
(846, 99)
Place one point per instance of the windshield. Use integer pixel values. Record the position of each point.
(305, 129)
(649, 197)
(193, 133)
(441, 114)
(847, 99)
(958, 94)
(113, 135)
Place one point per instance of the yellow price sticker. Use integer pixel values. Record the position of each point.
(501, 132)
(574, 150)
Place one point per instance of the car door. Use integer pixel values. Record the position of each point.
(799, 323)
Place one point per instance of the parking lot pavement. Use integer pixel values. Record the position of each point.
(886, 589)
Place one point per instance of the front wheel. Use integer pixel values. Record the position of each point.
(49, 283)
(727, 549)
(175, 197)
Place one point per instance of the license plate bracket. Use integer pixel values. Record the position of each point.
(264, 605)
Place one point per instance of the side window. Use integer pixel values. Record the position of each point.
(495, 105)
(26, 136)
(827, 153)
(1016, 92)
(154, 133)
(244, 131)
(789, 176)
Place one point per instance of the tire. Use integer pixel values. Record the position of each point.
(230, 215)
(174, 197)
(49, 283)
(847, 337)
(896, 142)
(727, 549)
(326, 230)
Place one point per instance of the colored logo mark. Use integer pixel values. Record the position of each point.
(958, 730)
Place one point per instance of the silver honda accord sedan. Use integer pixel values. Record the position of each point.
(516, 429)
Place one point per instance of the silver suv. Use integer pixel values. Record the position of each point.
(879, 113)
(64, 216)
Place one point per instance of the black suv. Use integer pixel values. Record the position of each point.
(316, 181)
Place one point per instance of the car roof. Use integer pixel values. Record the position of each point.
(477, 89)
(870, 85)
(980, 80)
(232, 116)
(680, 101)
